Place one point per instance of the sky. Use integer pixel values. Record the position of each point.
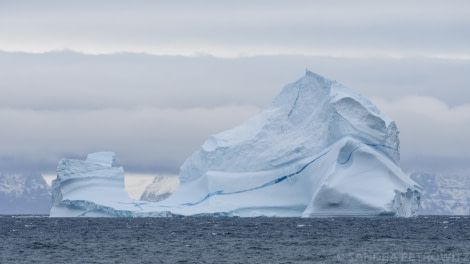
(151, 80)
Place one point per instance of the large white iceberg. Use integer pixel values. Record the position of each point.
(318, 149)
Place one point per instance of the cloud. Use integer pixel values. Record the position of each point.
(231, 29)
(68, 80)
(154, 111)
(144, 139)
(429, 127)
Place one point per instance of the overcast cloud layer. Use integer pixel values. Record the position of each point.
(232, 28)
(218, 63)
(155, 111)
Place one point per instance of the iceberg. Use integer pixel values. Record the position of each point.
(319, 149)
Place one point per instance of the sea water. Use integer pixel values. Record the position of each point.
(40, 239)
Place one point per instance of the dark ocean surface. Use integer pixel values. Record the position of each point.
(433, 239)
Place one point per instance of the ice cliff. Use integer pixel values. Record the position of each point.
(318, 149)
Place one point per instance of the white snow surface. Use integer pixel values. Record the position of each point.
(318, 149)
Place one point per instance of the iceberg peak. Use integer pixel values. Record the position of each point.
(318, 77)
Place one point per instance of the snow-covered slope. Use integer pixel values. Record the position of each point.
(317, 149)
(24, 193)
(444, 193)
(161, 188)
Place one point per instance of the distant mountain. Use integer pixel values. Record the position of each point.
(160, 189)
(444, 193)
(24, 193)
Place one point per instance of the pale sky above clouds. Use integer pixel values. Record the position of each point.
(175, 72)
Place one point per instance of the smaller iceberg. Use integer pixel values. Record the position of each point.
(318, 149)
(91, 187)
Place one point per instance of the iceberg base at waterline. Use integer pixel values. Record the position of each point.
(318, 149)
(86, 188)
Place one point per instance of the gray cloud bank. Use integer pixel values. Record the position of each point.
(154, 111)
